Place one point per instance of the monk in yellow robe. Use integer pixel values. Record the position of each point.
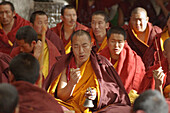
(74, 73)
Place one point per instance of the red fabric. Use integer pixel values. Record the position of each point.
(60, 32)
(130, 68)
(145, 52)
(35, 100)
(4, 46)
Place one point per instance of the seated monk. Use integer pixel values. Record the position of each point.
(73, 73)
(68, 25)
(158, 76)
(99, 25)
(141, 36)
(28, 42)
(127, 63)
(10, 22)
(32, 99)
(37, 19)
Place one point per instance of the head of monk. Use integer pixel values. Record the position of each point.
(26, 39)
(69, 16)
(38, 19)
(166, 51)
(7, 13)
(139, 20)
(81, 46)
(99, 24)
(116, 37)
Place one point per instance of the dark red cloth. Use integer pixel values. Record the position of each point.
(4, 64)
(111, 88)
(145, 52)
(130, 67)
(53, 53)
(4, 46)
(33, 99)
(60, 31)
(55, 39)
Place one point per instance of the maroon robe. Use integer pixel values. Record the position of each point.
(130, 67)
(33, 99)
(112, 90)
(4, 45)
(145, 52)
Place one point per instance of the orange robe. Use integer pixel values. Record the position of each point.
(129, 67)
(7, 40)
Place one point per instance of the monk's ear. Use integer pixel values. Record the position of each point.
(11, 76)
(140, 111)
(107, 25)
(62, 18)
(165, 54)
(33, 43)
(14, 13)
(147, 19)
(17, 109)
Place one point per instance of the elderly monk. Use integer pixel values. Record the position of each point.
(99, 25)
(141, 36)
(158, 77)
(32, 99)
(28, 42)
(68, 25)
(73, 73)
(37, 19)
(10, 22)
(127, 63)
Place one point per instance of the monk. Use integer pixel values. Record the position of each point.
(10, 22)
(127, 63)
(4, 64)
(37, 19)
(32, 99)
(80, 70)
(68, 25)
(28, 42)
(141, 36)
(99, 25)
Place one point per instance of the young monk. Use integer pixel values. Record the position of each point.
(75, 72)
(127, 63)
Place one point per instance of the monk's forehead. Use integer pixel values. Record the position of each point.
(139, 11)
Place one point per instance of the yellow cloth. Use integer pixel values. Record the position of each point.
(165, 35)
(115, 65)
(76, 101)
(132, 96)
(68, 47)
(167, 91)
(104, 44)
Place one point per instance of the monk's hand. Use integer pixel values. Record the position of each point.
(158, 76)
(75, 75)
(37, 49)
(91, 94)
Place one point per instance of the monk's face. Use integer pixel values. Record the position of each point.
(116, 43)
(25, 47)
(39, 21)
(81, 46)
(99, 26)
(139, 22)
(69, 17)
(6, 15)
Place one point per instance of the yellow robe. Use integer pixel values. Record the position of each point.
(103, 45)
(68, 48)
(76, 101)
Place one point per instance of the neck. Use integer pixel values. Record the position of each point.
(7, 28)
(115, 57)
(100, 39)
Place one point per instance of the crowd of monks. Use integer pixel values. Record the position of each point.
(57, 69)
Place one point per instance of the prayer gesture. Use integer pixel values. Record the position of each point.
(91, 93)
(37, 49)
(75, 75)
(158, 76)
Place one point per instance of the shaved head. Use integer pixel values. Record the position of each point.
(139, 10)
(167, 44)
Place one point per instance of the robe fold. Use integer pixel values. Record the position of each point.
(33, 99)
(111, 88)
(145, 50)
(7, 40)
(4, 64)
(130, 67)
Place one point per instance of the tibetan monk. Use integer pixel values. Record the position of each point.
(127, 63)
(141, 36)
(82, 69)
(37, 19)
(4, 64)
(32, 99)
(158, 76)
(28, 42)
(10, 22)
(68, 25)
(99, 25)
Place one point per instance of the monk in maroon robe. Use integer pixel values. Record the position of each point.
(8, 26)
(141, 36)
